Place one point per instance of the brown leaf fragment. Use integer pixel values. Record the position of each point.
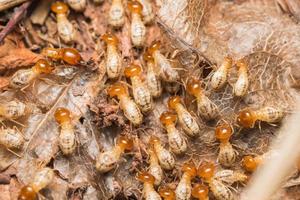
(4, 192)
(41, 12)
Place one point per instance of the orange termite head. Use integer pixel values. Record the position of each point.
(62, 115)
(154, 47)
(117, 89)
(249, 163)
(43, 66)
(223, 132)
(135, 7)
(145, 177)
(167, 193)
(200, 192)
(70, 56)
(154, 140)
(242, 63)
(148, 57)
(190, 168)
(167, 118)
(110, 39)
(125, 142)
(50, 52)
(194, 86)
(246, 118)
(27, 193)
(173, 102)
(59, 7)
(133, 70)
(206, 170)
(228, 61)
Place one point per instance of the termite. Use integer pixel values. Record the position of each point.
(176, 140)
(167, 72)
(141, 93)
(207, 171)
(186, 120)
(113, 57)
(138, 29)
(247, 117)
(24, 77)
(250, 163)
(41, 180)
(68, 55)
(227, 154)
(116, 17)
(165, 158)
(129, 107)
(154, 167)
(65, 29)
(77, 5)
(147, 12)
(11, 138)
(149, 192)
(206, 108)
(152, 77)
(66, 140)
(108, 160)
(219, 78)
(184, 187)
(230, 176)
(13, 109)
(200, 191)
(167, 193)
(240, 88)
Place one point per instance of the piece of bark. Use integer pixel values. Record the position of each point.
(6, 4)
(41, 12)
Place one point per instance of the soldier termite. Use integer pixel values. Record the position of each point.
(14, 109)
(24, 77)
(154, 167)
(77, 5)
(68, 55)
(152, 77)
(227, 155)
(66, 140)
(167, 72)
(176, 140)
(206, 108)
(247, 117)
(165, 158)
(149, 192)
(138, 29)
(167, 193)
(141, 93)
(240, 88)
(147, 12)
(186, 120)
(41, 180)
(219, 77)
(108, 160)
(65, 29)
(113, 57)
(130, 109)
(184, 187)
(116, 16)
(200, 192)
(11, 138)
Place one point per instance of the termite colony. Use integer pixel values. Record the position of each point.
(170, 116)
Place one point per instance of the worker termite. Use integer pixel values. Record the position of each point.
(167, 193)
(24, 77)
(77, 5)
(149, 192)
(11, 138)
(200, 192)
(219, 77)
(65, 29)
(247, 117)
(108, 160)
(167, 72)
(207, 171)
(138, 29)
(186, 120)
(184, 187)
(152, 78)
(13, 109)
(67, 140)
(176, 140)
(68, 55)
(113, 58)
(165, 158)
(230, 176)
(154, 167)
(116, 16)
(250, 163)
(147, 12)
(227, 155)
(41, 180)
(240, 88)
(206, 108)
(141, 93)
(130, 109)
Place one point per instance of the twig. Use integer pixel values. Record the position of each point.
(17, 16)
